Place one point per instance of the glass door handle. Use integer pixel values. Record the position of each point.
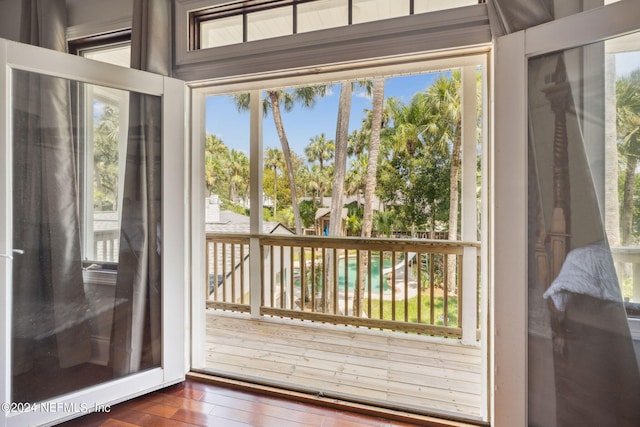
(10, 256)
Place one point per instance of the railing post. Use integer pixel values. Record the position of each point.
(255, 276)
(469, 294)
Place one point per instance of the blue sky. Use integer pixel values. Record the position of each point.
(301, 124)
(627, 62)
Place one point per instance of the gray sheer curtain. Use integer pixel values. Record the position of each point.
(49, 306)
(136, 338)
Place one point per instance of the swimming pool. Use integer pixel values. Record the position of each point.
(352, 273)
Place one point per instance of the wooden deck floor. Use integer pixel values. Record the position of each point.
(397, 370)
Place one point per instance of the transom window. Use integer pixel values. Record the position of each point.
(239, 22)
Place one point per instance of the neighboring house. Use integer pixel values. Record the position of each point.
(323, 216)
(324, 213)
(348, 200)
(232, 262)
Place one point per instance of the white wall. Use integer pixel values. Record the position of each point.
(90, 17)
(84, 17)
(86, 11)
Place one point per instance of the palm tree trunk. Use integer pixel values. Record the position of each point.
(275, 190)
(286, 151)
(454, 187)
(340, 162)
(337, 192)
(370, 186)
(454, 191)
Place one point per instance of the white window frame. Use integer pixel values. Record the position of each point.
(508, 242)
(466, 63)
(88, 167)
(433, 32)
(317, 57)
(174, 207)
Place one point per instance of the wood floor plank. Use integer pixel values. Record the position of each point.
(296, 330)
(116, 423)
(222, 406)
(200, 419)
(402, 369)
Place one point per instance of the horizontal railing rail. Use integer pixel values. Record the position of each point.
(410, 285)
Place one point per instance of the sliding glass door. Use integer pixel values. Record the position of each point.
(93, 279)
(568, 115)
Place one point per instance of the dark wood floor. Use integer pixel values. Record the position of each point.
(195, 403)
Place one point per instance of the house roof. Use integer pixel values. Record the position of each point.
(105, 221)
(232, 222)
(327, 211)
(326, 201)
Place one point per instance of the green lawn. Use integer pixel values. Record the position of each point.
(412, 306)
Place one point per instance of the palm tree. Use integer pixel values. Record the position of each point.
(409, 125)
(321, 149)
(273, 159)
(359, 140)
(238, 170)
(412, 169)
(443, 99)
(337, 188)
(276, 100)
(340, 159)
(445, 128)
(370, 180)
(357, 146)
(317, 181)
(355, 178)
(215, 157)
(628, 125)
(374, 150)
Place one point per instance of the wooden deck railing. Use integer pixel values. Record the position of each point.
(627, 261)
(227, 272)
(405, 285)
(105, 245)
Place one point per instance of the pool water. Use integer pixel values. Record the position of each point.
(352, 271)
(352, 274)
